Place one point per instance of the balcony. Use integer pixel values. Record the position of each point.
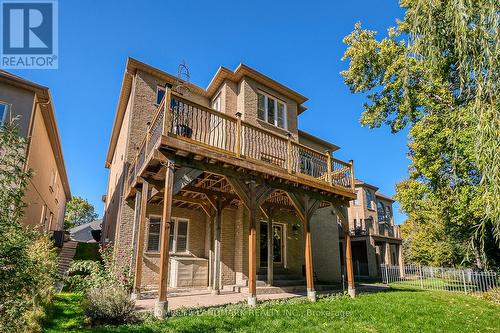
(369, 227)
(200, 131)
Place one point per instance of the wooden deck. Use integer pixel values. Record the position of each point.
(203, 138)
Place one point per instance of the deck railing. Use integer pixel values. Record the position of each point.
(363, 227)
(189, 121)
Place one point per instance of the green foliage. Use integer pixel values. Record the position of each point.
(110, 304)
(87, 251)
(437, 73)
(78, 211)
(85, 275)
(27, 259)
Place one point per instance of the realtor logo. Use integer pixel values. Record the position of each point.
(29, 34)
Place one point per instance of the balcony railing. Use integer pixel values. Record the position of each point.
(369, 227)
(189, 121)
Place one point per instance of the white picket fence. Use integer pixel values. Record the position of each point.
(440, 278)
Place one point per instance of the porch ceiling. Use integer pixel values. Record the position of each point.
(194, 195)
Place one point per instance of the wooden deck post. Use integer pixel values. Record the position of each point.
(270, 239)
(211, 253)
(348, 260)
(289, 152)
(217, 233)
(353, 185)
(305, 207)
(166, 111)
(342, 215)
(161, 305)
(238, 135)
(143, 197)
(252, 196)
(329, 167)
(252, 248)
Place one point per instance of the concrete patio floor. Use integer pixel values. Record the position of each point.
(203, 298)
(197, 298)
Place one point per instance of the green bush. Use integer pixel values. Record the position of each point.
(28, 262)
(86, 274)
(110, 304)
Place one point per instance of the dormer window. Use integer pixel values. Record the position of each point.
(271, 110)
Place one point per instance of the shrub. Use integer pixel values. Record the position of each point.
(86, 274)
(110, 304)
(27, 259)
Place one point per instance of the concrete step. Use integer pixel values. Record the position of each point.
(280, 276)
(288, 289)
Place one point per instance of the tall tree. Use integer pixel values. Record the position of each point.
(437, 72)
(78, 211)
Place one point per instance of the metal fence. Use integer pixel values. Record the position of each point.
(439, 278)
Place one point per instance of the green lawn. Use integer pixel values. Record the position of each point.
(391, 311)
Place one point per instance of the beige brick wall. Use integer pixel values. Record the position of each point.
(325, 245)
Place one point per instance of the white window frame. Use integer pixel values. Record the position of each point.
(266, 116)
(175, 232)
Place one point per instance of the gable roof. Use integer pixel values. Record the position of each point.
(47, 108)
(222, 74)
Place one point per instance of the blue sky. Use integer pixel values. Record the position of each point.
(297, 43)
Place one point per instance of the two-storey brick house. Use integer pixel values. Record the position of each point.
(248, 196)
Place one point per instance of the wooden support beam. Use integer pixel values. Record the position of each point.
(305, 207)
(204, 204)
(209, 193)
(217, 246)
(269, 209)
(252, 196)
(143, 197)
(161, 305)
(341, 212)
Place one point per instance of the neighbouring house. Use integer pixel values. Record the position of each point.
(250, 199)
(87, 232)
(30, 106)
(375, 238)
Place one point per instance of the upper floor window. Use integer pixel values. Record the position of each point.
(216, 103)
(4, 108)
(388, 212)
(271, 110)
(160, 92)
(369, 199)
(381, 214)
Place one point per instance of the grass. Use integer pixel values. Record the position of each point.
(87, 251)
(397, 310)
